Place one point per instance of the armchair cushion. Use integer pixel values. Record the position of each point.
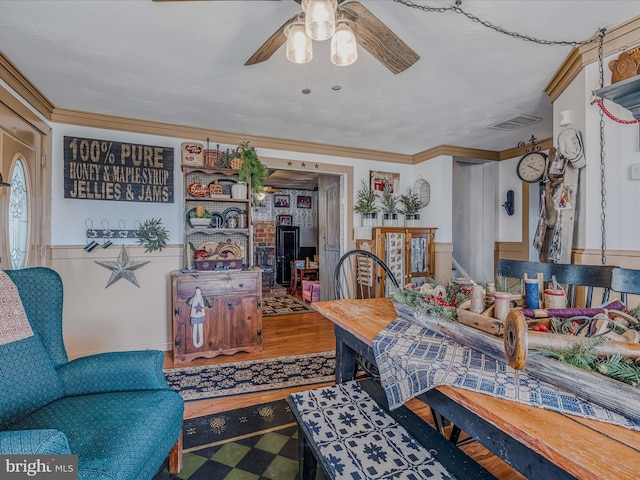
(114, 371)
(27, 379)
(109, 446)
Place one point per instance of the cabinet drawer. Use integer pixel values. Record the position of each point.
(219, 284)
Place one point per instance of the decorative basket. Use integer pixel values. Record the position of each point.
(236, 163)
(215, 188)
(211, 157)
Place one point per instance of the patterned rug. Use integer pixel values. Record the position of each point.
(283, 305)
(257, 442)
(212, 381)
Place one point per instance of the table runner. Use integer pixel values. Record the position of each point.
(413, 360)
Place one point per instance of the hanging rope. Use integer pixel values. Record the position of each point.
(600, 103)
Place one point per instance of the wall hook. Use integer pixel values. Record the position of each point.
(508, 205)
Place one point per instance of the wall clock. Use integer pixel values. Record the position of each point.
(531, 167)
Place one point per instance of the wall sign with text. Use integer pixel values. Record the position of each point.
(127, 172)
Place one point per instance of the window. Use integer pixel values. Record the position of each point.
(18, 216)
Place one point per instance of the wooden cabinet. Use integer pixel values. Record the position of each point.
(408, 252)
(215, 313)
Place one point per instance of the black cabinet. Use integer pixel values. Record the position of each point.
(287, 250)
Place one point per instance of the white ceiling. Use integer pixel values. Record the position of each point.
(183, 63)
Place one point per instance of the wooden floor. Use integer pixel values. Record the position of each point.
(300, 334)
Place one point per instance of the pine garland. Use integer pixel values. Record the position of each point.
(584, 356)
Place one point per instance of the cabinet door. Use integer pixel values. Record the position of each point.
(195, 335)
(393, 253)
(419, 245)
(240, 319)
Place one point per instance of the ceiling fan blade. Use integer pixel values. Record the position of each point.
(377, 39)
(269, 47)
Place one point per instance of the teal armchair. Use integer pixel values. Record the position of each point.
(114, 410)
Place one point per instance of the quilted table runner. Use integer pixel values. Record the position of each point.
(413, 360)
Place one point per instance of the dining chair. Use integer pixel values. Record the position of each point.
(588, 276)
(361, 274)
(518, 268)
(625, 281)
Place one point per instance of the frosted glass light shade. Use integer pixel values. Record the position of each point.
(344, 48)
(320, 18)
(299, 46)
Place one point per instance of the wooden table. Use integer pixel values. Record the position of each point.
(541, 444)
(298, 274)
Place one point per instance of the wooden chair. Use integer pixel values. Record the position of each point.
(361, 274)
(517, 269)
(625, 281)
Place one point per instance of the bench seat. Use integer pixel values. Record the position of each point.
(353, 437)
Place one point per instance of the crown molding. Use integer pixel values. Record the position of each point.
(544, 144)
(23, 87)
(112, 122)
(454, 151)
(622, 36)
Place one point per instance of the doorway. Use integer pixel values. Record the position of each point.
(473, 231)
(24, 206)
(313, 226)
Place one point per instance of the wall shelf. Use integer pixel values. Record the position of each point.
(625, 93)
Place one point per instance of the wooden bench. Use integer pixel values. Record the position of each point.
(348, 429)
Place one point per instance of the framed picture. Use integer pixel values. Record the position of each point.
(285, 220)
(380, 179)
(303, 201)
(281, 201)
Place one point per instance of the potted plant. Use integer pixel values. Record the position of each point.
(366, 205)
(389, 207)
(252, 171)
(411, 205)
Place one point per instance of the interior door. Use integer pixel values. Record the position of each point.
(329, 221)
(23, 206)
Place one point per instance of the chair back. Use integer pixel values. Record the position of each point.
(41, 293)
(589, 276)
(518, 268)
(361, 274)
(625, 281)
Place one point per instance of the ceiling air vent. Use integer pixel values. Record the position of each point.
(515, 122)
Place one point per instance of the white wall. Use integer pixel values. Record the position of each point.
(622, 149)
(439, 213)
(509, 227)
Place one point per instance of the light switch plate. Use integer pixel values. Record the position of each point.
(635, 171)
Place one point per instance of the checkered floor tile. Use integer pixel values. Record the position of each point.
(270, 456)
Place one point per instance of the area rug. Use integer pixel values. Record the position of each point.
(256, 442)
(283, 305)
(212, 381)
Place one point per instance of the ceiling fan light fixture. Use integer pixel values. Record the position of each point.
(344, 48)
(320, 18)
(299, 45)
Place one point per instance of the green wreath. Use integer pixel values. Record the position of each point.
(152, 235)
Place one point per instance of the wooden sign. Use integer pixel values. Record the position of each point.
(127, 172)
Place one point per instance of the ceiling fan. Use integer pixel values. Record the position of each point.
(370, 33)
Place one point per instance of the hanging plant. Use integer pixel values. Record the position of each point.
(153, 235)
(252, 171)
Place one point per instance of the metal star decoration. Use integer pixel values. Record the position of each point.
(122, 268)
